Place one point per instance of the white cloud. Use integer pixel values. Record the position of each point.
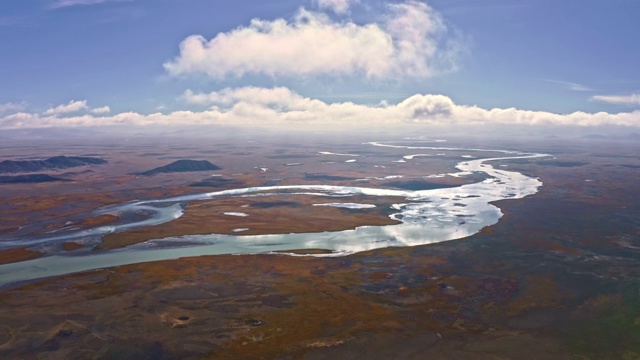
(12, 107)
(275, 97)
(283, 105)
(252, 106)
(337, 6)
(570, 85)
(410, 41)
(72, 106)
(101, 110)
(629, 100)
(67, 3)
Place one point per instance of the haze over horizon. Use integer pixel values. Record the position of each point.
(325, 63)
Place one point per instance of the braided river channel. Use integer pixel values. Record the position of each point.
(426, 217)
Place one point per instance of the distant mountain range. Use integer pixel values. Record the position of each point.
(183, 166)
(629, 136)
(56, 162)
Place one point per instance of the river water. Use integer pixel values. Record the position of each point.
(427, 216)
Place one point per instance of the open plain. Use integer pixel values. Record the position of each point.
(557, 277)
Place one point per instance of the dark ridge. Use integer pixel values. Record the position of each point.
(415, 185)
(71, 173)
(615, 156)
(29, 179)
(56, 162)
(326, 177)
(270, 204)
(558, 163)
(273, 182)
(562, 163)
(183, 166)
(593, 136)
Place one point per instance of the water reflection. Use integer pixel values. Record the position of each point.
(428, 216)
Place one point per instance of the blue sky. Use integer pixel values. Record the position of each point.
(91, 62)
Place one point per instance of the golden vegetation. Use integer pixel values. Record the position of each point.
(17, 254)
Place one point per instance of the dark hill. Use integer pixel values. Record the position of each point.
(183, 166)
(417, 185)
(29, 179)
(56, 162)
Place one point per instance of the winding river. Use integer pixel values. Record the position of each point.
(427, 216)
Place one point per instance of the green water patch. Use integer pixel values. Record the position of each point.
(611, 334)
(272, 204)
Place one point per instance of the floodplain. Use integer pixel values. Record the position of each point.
(549, 262)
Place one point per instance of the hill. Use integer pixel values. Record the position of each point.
(29, 179)
(183, 166)
(56, 162)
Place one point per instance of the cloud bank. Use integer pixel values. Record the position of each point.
(12, 107)
(410, 41)
(280, 106)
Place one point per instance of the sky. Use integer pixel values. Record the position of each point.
(332, 62)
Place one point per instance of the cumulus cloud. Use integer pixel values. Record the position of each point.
(101, 110)
(629, 100)
(410, 41)
(72, 106)
(280, 97)
(12, 107)
(281, 106)
(337, 6)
